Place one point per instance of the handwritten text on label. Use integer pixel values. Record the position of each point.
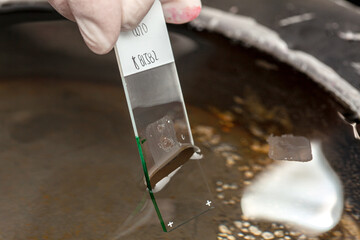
(140, 30)
(144, 59)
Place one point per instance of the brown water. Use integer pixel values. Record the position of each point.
(69, 162)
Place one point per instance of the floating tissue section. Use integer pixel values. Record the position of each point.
(162, 139)
(166, 151)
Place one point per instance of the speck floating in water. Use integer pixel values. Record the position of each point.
(289, 147)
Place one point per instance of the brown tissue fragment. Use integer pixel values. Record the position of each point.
(289, 147)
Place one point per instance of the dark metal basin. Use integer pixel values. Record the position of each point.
(67, 154)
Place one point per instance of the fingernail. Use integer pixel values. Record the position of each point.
(181, 15)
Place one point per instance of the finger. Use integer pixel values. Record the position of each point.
(181, 11)
(63, 8)
(99, 22)
(134, 11)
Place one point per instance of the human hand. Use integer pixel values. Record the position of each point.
(100, 21)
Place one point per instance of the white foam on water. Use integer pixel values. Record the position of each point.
(308, 195)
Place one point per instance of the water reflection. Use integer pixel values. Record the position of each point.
(308, 196)
(143, 215)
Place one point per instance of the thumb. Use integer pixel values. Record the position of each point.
(181, 11)
(100, 22)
